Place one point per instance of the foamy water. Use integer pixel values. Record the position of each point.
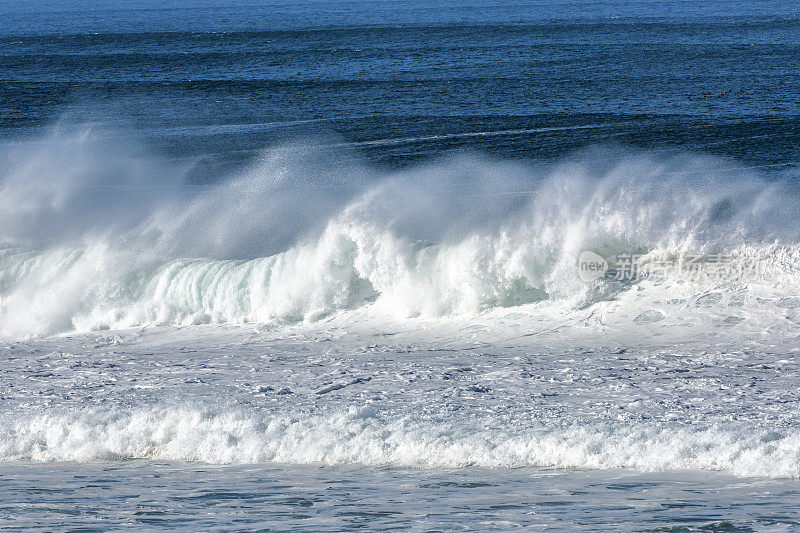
(294, 240)
(430, 318)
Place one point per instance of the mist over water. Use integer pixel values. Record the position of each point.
(99, 233)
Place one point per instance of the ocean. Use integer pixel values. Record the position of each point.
(327, 264)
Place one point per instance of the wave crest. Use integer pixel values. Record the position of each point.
(360, 436)
(301, 235)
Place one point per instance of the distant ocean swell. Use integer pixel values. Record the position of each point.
(97, 234)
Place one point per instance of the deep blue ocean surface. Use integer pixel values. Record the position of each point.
(408, 80)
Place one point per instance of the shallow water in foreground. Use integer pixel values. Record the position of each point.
(359, 422)
(147, 494)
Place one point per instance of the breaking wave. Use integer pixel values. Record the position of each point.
(101, 235)
(361, 436)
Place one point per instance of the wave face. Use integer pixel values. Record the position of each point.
(99, 235)
(361, 436)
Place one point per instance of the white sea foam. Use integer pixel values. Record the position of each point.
(361, 436)
(97, 235)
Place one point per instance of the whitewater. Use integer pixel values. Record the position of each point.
(328, 265)
(101, 236)
(312, 309)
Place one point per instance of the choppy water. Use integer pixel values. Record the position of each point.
(324, 498)
(317, 265)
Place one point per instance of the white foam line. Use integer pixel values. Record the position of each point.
(445, 136)
(362, 436)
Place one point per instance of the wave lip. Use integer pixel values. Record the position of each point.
(360, 436)
(107, 242)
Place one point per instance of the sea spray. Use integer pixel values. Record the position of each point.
(104, 237)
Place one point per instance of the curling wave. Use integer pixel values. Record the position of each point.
(98, 235)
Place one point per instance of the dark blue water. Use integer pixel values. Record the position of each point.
(218, 82)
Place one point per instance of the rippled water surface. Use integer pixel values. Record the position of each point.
(139, 495)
